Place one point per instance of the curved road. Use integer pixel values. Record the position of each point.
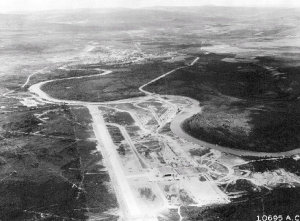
(175, 124)
(176, 127)
(126, 198)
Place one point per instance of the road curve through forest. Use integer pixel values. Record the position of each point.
(176, 127)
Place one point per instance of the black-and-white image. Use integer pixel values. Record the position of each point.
(150, 110)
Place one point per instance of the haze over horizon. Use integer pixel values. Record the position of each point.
(40, 5)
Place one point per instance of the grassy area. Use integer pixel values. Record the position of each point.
(47, 170)
(122, 118)
(115, 134)
(121, 84)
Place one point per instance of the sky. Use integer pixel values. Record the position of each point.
(38, 5)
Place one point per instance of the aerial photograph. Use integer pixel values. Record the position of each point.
(150, 110)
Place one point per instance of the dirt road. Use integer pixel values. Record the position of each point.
(176, 127)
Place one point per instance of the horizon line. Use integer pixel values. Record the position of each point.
(144, 7)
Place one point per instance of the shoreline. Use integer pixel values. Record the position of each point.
(176, 123)
(176, 128)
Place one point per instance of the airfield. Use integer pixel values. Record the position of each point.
(153, 170)
(166, 116)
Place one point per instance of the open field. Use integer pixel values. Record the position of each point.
(49, 168)
(111, 87)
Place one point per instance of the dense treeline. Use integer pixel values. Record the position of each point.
(246, 105)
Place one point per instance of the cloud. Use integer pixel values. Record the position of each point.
(35, 5)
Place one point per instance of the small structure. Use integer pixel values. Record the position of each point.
(168, 173)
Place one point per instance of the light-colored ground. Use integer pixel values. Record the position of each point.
(158, 172)
(106, 146)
